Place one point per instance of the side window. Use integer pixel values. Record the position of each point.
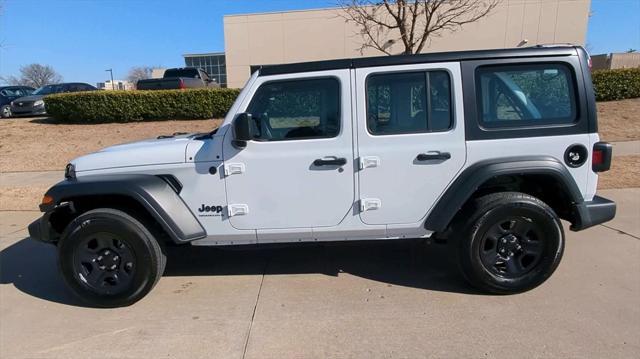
(526, 95)
(409, 102)
(10, 92)
(299, 109)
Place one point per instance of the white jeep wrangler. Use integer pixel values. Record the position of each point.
(486, 149)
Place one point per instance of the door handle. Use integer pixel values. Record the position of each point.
(433, 155)
(330, 161)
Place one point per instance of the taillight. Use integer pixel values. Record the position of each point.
(181, 84)
(590, 63)
(601, 156)
(597, 157)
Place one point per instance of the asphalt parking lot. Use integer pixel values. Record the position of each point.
(359, 300)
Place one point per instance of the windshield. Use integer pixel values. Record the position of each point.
(49, 89)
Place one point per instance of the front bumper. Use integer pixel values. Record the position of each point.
(24, 111)
(41, 230)
(594, 212)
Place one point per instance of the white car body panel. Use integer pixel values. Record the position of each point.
(135, 154)
(280, 183)
(539, 146)
(417, 184)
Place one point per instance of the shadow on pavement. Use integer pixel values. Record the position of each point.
(31, 266)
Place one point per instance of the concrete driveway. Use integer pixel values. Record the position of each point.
(357, 300)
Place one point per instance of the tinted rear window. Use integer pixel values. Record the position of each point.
(526, 95)
(193, 73)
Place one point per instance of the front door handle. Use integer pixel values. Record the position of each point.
(433, 155)
(330, 161)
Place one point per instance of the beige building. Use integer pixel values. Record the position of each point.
(295, 36)
(157, 72)
(116, 85)
(616, 61)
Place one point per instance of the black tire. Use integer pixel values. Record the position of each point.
(5, 111)
(109, 258)
(509, 242)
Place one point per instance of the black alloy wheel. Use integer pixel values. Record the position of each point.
(511, 248)
(105, 263)
(508, 242)
(109, 258)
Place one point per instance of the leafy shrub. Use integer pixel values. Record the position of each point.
(616, 84)
(128, 106)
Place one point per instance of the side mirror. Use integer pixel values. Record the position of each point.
(243, 129)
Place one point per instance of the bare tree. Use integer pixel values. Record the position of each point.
(413, 23)
(35, 75)
(139, 73)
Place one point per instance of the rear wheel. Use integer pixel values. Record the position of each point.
(109, 259)
(5, 111)
(512, 242)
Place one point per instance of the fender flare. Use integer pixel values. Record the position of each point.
(477, 174)
(152, 192)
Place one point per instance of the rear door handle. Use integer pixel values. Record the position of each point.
(330, 161)
(433, 155)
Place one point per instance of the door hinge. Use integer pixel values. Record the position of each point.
(233, 168)
(370, 204)
(369, 161)
(238, 210)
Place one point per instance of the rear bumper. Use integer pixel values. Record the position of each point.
(594, 212)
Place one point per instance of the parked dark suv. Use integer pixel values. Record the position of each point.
(10, 93)
(34, 104)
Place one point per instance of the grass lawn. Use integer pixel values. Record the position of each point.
(42, 145)
(619, 120)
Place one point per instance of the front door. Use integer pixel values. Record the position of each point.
(411, 140)
(298, 170)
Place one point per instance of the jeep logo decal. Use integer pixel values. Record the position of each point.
(210, 211)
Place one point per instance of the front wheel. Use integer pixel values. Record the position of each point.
(511, 242)
(5, 111)
(109, 259)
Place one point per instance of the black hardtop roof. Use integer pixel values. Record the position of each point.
(535, 51)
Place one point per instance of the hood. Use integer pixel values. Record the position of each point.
(162, 150)
(30, 98)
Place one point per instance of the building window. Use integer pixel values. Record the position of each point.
(213, 64)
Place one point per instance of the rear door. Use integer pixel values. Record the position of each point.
(410, 137)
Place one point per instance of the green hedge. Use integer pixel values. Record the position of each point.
(128, 106)
(616, 84)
